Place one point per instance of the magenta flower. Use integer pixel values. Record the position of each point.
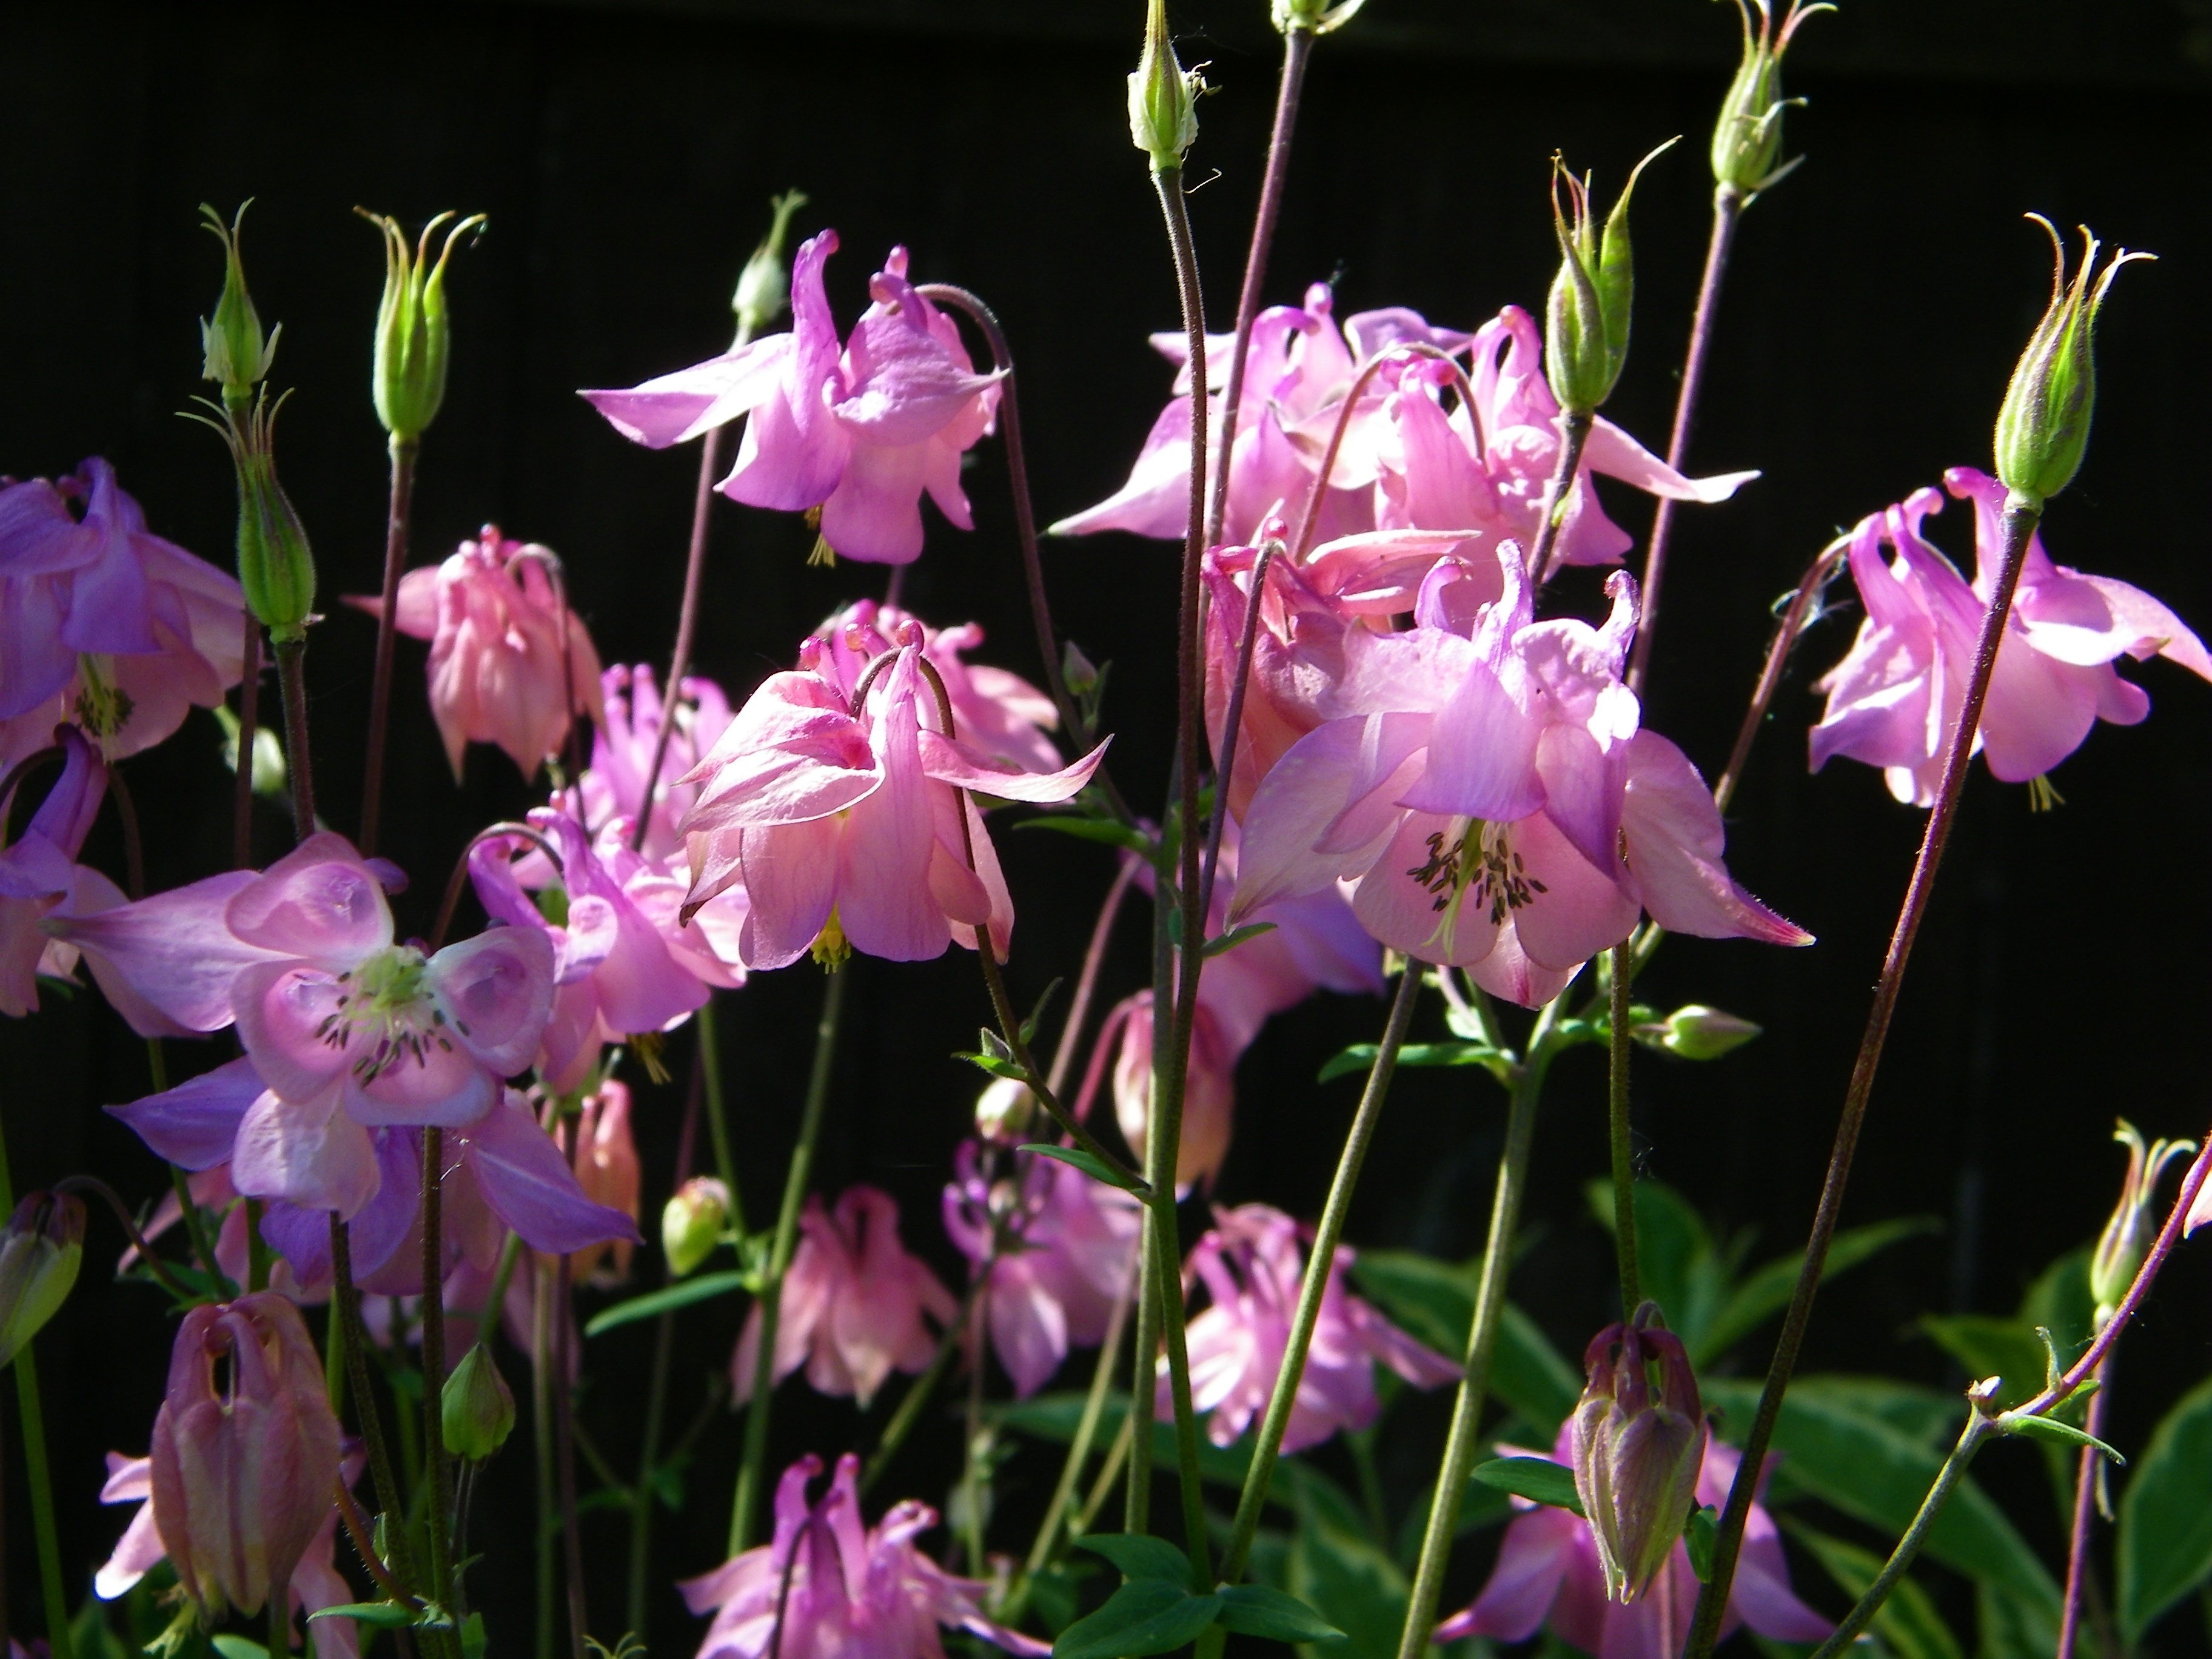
(1548, 1571)
(856, 827)
(1253, 1265)
(622, 744)
(39, 873)
(826, 1588)
(102, 623)
(1058, 1246)
(1895, 699)
(510, 664)
(859, 436)
(853, 1302)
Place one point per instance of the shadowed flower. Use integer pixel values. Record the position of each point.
(622, 744)
(39, 873)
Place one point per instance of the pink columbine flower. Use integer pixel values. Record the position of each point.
(608, 1171)
(622, 745)
(827, 1587)
(1895, 699)
(1253, 1265)
(1482, 789)
(853, 1302)
(39, 873)
(104, 623)
(510, 662)
(1059, 1246)
(857, 828)
(860, 435)
(1548, 1571)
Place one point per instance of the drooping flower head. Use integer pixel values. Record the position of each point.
(1638, 1441)
(624, 742)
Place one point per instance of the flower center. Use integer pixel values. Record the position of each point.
(385, 1005)
(1479, 864)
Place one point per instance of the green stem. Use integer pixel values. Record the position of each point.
(292, 681)
(488, 1317)
(541, 1436)
(751, 1473)
(441, 1516)
(972, 1471)
(35, 1469)
(642, 1495)
(280, 1621)
(718, 1118)
(920, 1390)
(157, 1069)
(1624, 1151)
(1046, 1547)
(1544, 559)
(383, 1479)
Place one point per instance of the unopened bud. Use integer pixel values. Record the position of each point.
(475, 1409)
(2126, 1238)
(235, 356)
(1694, 1031)
(1006, 1111)
(1163, 96)
(413, 335)
(2044, 426)
(1313, 16)
(1639, 1443)
(765, 285)
(692, 1223)
(1747, 138)
(39, 1258)
(1586, 319)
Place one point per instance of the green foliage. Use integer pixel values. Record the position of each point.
(1357, 1059)
(1090, 1163)
(1537, 1479)
(1338, 1567)
(1908, 1623)
(1159, 1608)
(1435, 1301)
(2165, 1542)
(656, 1303)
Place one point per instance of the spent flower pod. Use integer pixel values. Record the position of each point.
(692, 1223)
(1587, 316)
(765, 285)
(1637, 1448)
(413, 336)
(2127, 1232)
(1747, 136)
(39, 1258)
(276, 566)
(1163, 96)
(475, 1408)
(235, 354)
(2043, 427)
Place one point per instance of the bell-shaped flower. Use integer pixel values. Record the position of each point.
(1253, 1266)
(1638, 1450)
(855, 824)
(1056, 1249)
(1896, 697)
(510, 664)
(623, 743)
(39, 873)
(607, 1169)
(104, 623)
(1209, 1088)
(853, 1302)
(859, 436)
(1547, 1573)
(246, 1451)
(828, 1587)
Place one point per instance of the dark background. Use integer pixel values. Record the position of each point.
(625, 153)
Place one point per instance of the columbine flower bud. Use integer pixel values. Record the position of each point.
(242, 1473)
(2044, 426)
(276, 566)
(236, 356)
(1313, 16)
(2126, 1238)
(692, 1222)
(475, 1408)
(1586, 319)
(1747, 138)
(765, 285)
(1163, 96)
(1694, 1031)
(412, 333)
(38, 1257)
(1006, 1111)
(1637, 1448)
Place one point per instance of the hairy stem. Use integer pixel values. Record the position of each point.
(1046, 1546)
(292, 679)
(249, 723)
(1770, 674)
(389, 1499)
(401, 505)
(1544, 558)
(2085, 1516)
(1624, 1151)
(441, 1516)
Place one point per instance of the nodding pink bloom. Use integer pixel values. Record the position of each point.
(999, 713)
(1209, 1089)
(607, 1170)
(860, 435)
(242, 1474)
(39, 873)
(1253, 1266)
(859, 829)
(1487, 467)
(853, 1302)
(316, 1583)
(1056, 1248)
(826, 1587)
(622, 745)
(615, 970)
(1297, 371)
(1548, 1573)
(1482, 790)
(1896, 698)
(510, 662)
(104, 623)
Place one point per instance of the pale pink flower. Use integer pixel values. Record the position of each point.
(1896, 698)
(999, 714)
(1253, 1266)
(826, 1587)
(607, 1169)
(860, 435)
(104, 623)
(853, 1302)
(622, 744)
(39, 873)
(1548, 1573)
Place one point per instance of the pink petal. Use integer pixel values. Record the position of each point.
(1482, 753)
(1581, 909)
(672, 408)
(309, 1153)
(1156, 500)
(195, 1124)
(1299, 802)
(1673, 839)
(1612, 452)
(950, 761)
(319, 902)
(791, 881)
(171, 952)
(284, 1010)
(529, 1186)
(1532, 1561)
(496, 990)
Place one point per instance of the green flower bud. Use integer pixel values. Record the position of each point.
(1586, 319)
(2043, 426)
(413, 335)
(38, 1257)
(765, 285)
(1694, 1031)
(1313, 16)
(235, 356)
(692, 1223)
(1006, 1111)
(475, 1410)
(2126, 1238)
(1747, 138)
(1163, 96)
(276, 566)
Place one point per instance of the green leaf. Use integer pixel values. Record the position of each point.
(1054, 1417)
(1992, 1345)
(1090, 1163)
(237, 1647)
(1682, 1271)
(1272, 1615)
(1100, 830)
(1766, 1291)
(1145, 1616)
(381, 1615)
(1908, 1623)
(2165, 1542)
(994, 1064)
(704, 1288)
(1139, 1556)
(1361, 1055)
(2045, 1428)
(473, 1639)
(1235, 936)
(1698, 1538)
(1434, 1301)
(1537, 1479)
(1339, 1568)
(2061, 1303)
